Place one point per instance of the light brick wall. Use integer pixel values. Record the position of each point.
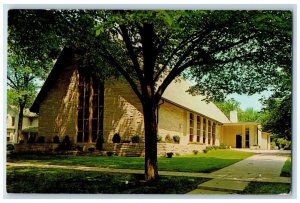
(58, 111)
(123, 112)
(172, 121)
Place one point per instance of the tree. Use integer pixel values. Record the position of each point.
(222, 51)
(21, 82)
(227, 106)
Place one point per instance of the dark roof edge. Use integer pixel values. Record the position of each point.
(66, 58)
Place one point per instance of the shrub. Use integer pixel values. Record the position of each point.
(41, 139)
(56, 139)
(66, 143)
(135, 139)
(273, 145)
(195, 152)
(205, 151)
(159, 138)
(91, 149)
(31, 139)
(223, 146)
(168, 139)
(109, 153)
(170, 154)
(99, 142)
(10, 147)
(116, 138)
(176, 138)
(284, 143)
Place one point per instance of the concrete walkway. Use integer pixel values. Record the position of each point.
(261, 167)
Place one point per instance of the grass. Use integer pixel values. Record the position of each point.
(267, 188)
(286, 169)
(205, 163)
(41, 180)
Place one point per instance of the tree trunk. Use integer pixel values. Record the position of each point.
(20, 123)
(150, 120)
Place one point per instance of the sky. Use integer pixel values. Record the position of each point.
(250, 101)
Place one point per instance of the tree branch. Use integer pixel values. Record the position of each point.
(114, 63)
(131, 53)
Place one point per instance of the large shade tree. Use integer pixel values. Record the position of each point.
(221, 51)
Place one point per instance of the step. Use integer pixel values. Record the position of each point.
(232, 186)
(208, 192)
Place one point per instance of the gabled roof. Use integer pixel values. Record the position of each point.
(176, 94)
(65, 59)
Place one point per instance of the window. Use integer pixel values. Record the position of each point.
(198, 128)
(204, 130)
(12, 121)
(90, 109)
(209, 132)
(247, 135)
(191, 127)
(214, 134)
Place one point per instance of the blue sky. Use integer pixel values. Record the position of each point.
(250, 101)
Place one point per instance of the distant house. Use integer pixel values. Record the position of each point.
(29, 128)
(78, 105)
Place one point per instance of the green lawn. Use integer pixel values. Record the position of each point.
(267, 188)
(41, 180)
(286, 169)
(211, 161)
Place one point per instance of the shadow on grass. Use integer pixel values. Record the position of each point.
(204, 163)
(37, 180)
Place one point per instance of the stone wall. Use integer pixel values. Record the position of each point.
(31, 148)
(58, 111)
(138, 149)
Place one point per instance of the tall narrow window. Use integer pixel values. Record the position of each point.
(191, 127)
(90, 109)
(209, 132)
(198, 128)
(247, 135)
(12, 121)
(214, 134)
(204, 130)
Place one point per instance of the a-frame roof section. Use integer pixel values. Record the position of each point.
(65, 59)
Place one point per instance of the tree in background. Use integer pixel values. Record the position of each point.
(248, 115)
(224, 52)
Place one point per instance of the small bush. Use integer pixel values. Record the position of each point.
(223, 146)
(170, 154)
(135, 139)
(99, 142)
(31, 139)
(195, 152)
(284, 143)
(176, 139)
(109, 153)
(10, 147)
(116, 138)
(56, 139)
(41, 139)
(168, 139)
(273, 145)
(91, 149)
(66, 143)
(205, 151)
(159, 138)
